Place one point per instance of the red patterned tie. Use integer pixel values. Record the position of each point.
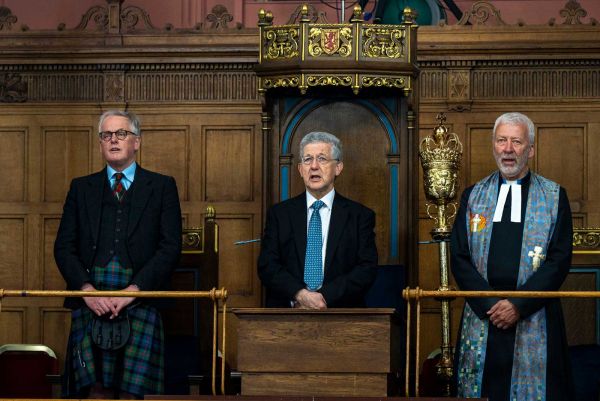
(118, 188)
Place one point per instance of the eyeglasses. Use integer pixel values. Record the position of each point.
(322, 160)
(121, 134)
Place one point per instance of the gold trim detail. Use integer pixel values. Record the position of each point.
(384, 42)
(280, 82)
(387, 82)
(281, 42)
(328, 80)
(586, 238)
(192, 240)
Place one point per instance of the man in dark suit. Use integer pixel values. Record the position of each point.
(120, 230)
(318, 249)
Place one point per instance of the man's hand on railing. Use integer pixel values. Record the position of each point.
(503, 314)
(119, 302)
(98, 305)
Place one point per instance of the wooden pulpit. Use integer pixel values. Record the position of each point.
(333, 352)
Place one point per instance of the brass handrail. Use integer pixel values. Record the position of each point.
(416, 294)
(213, 295)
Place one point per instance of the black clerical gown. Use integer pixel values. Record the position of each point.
(502, 271)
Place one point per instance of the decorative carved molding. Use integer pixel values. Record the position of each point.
(129, 20)
(314, 16)
(586, 238)
(114, 87)
(97, 14)
(13, 88)
(6, 19)
(386, 82)
(219, 17)
(281, 43)
(384, 41)
(123, 82)
(459, 93)
(572, 14)
(328, 80)
(280, 82)
(543, 81)
(132, 16)
(481, 13)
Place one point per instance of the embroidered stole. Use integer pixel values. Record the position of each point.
(530, 351)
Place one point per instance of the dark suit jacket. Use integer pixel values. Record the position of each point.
(153, 230)
(350, 260)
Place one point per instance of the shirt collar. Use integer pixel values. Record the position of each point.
(128, 173)
(327, 199)
(520, 181)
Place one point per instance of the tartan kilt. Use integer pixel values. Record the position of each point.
(138, 367)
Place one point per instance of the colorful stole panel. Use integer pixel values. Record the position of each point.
(529, 361)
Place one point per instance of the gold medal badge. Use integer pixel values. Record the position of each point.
(476, 222)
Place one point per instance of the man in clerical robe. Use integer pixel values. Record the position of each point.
(513, 231)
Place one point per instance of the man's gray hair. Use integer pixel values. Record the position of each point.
(134, 121)
(325, 137)
(516, 119)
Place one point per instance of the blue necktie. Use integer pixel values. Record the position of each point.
(313, 267)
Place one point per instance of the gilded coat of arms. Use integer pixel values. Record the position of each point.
(330, 40)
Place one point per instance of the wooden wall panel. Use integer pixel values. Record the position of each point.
(53, 321)
(479, 152)
(13, 183)
(165, 150)
(561, 157)
(13, 247)
(226, 147)
(239, 261)
(52, 280)
(580, 314)
(12, 328)
(66, 154)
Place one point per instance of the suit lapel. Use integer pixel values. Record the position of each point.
(339, 215)
(93, 200)
(141, 191)
(298, 222)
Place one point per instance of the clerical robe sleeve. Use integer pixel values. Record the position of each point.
(554, 269)
(464, 271)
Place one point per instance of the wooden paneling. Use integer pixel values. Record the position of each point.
(52, 280)
(55, 320)
(13, 245)
(238, 273)
(580, 314)
(480, 157)
(13, 184)
(361, 384)
(12, 328)
(560, 147)
(165, 150)
(66, 154)
(226, 147)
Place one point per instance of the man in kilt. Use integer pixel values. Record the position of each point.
(120, 230)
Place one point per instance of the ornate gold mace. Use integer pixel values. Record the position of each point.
(440, 155)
